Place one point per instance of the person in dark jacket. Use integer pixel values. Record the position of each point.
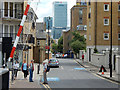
(31, 69)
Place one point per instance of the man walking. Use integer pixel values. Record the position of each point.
(44, 73)
(31, 71)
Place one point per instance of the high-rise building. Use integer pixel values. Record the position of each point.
(45, 20)
(59, 18)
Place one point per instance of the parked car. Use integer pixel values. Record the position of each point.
(57, 56)
(53, 62)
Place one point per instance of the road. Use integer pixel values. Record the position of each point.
(71, 75)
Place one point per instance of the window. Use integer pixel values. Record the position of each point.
(6, 31)
(106, 36)
(11, 9)
(89, 37)
(85, 36)
(83, 2)
(85, 27)
(11, 32)
(89, 23)
(80, 12)
(89, 3)
(106, 21)
(90, 10)
(80, 20)
(119, 21)
(106, 7)
(6, 9)
(38, 42)
(18, 10)
(118, 7)
(89, 15)
(118, 36)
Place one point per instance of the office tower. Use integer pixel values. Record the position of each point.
(59, 18)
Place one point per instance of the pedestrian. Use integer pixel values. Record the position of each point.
(16, 67)
(25, 69)
(83, 57)
(44, 73)
(31, 69)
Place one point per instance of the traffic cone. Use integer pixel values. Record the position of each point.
(102, 71)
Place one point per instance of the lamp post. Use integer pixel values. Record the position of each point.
(39, 63)
(48, 19)
(110, 54)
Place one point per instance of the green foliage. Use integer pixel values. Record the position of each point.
(57, 48)
(78, 42)
(60, 45)
(54, 48)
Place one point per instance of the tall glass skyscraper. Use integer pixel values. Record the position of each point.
(59, 18)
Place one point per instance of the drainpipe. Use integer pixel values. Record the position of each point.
(96, 24)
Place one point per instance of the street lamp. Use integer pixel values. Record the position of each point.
(48, 19)
(110, 54)
(39, 63)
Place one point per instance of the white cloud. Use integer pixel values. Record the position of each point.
(44, 8)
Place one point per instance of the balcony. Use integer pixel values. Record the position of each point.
(13, 35)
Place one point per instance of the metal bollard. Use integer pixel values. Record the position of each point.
(38, 69)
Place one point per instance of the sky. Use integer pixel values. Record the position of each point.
(44, 8)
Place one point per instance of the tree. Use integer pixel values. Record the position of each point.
(54, 48)
(78, 42)
(60, 44)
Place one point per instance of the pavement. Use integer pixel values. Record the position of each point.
(94, 69)
(20, 82)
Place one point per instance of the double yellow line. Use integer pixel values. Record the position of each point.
(46, 86)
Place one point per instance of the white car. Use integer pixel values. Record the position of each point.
(57, 55)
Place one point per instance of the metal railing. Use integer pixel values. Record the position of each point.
(13, 35)
(24, 38)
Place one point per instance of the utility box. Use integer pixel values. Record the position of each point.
(118, 64)
(4, 79)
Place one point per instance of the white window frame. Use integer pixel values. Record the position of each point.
(85, 27)
(104, 36)
(89, 37)
(118, 22)
(85, 36)
(108, 22)
(9, 10)
(118, 36)
(104, 7)
(90, 9)
(4, 30)
(118, 7)
(38, 42)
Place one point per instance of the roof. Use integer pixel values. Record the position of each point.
(40, 31)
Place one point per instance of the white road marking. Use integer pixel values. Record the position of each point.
(98, 76)
(62, 67)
